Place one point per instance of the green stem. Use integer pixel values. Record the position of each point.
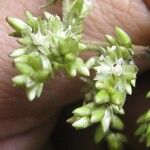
(65, 11)
(140, 51)
(50, 2)
(95, 46)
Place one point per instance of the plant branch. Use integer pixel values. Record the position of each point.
(140, 51)
(65, 10)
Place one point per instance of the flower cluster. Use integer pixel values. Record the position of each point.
(52, 43)
(47, 45)
(143, 130)
(115, 74)
(115, 71)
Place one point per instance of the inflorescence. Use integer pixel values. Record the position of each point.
(52, 43)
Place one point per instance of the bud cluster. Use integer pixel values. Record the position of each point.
(143, 130)
(115, 70)
(115, 74)
(47, 45)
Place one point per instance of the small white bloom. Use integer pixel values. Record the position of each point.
(38, 38)
(113, 48)
(117, 68)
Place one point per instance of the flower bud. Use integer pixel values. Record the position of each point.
(71, 70)
(32, 21)
(99, 135)
(22, 59)
(90, 63)
(70, 57)
(111, 40)
(41, 76)
(82, 111)
(24, 68)
(39, 89)
(122, 38)
(128, 88)
(81, 68)
(118, 98)
(20, 80)
(18, 52)
(17, 24)
(117, 123)
(141, 130)
(102, 97)
(99, 85)
(82, 123)
(35, 61)
(148, 95)
(133, 82)
(31, 93)
(97, 114)
(144, 118)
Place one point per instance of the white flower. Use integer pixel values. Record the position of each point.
(107, 66)
(38, 38)
(117, 68)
